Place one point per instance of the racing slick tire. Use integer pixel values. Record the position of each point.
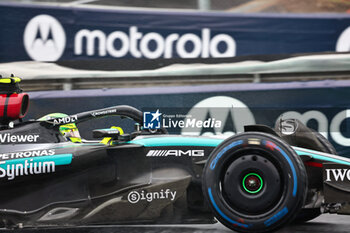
(254, 182)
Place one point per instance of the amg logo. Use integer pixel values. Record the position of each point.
(176, 153)
(338, 174)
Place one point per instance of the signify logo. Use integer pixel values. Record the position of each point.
(136, 196)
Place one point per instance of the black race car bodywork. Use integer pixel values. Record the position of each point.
(255, 181)
(141, 178)
(138, 179)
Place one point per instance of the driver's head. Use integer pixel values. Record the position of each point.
(69, 131)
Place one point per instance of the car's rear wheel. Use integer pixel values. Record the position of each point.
(254, 182)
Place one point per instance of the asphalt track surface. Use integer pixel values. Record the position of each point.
(325, 223)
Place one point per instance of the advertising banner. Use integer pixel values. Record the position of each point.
(51, 33)
(213, 110)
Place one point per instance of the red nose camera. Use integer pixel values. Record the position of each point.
(13, 101)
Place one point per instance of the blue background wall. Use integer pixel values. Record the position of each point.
(265, 101)
(253, 34)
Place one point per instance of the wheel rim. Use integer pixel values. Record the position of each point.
(251, 183)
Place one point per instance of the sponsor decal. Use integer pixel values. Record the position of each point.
(325, 127)
(305, 117)
(11, 169)
(152, 120)
(29, 167)
(65, 120)
(105, 112)
(287, 127)
(44, 38)
(176, 153)
(337, 174)
(153, 45)
(8, 138)
(343, 43)
(138, 196)
(336, 179)
(26, 154)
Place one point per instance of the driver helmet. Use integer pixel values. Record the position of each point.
(69, 131)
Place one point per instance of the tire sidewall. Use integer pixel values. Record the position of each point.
(293, 191)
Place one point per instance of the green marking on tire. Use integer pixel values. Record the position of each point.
(261, 183)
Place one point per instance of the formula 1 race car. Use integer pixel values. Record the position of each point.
(256, 181)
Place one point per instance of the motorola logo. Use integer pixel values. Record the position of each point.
(343, 43)
(44, 38)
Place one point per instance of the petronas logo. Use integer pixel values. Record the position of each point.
(44, 38)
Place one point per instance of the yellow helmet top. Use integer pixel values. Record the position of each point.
(71, 132)
(11, 80)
